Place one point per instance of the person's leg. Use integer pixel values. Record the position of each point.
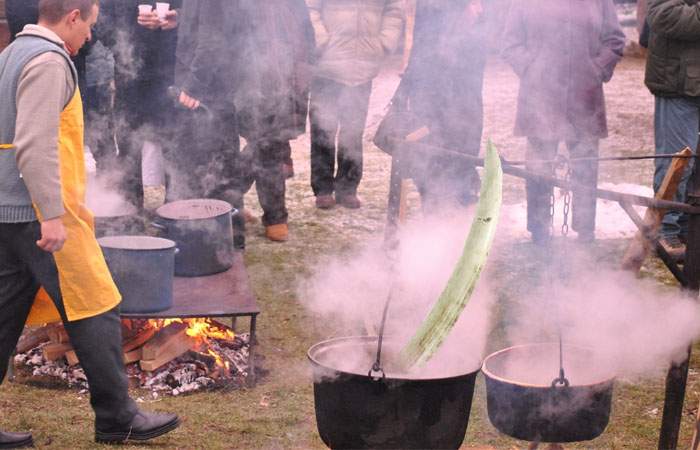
(324, 127)
(270, 157)
(675, 127)
(354, 105)
(97, 340)
(17, 291)
(586, 174)
(539, 194)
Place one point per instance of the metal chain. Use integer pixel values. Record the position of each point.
(567, 203)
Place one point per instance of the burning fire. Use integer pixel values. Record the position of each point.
(203, 331)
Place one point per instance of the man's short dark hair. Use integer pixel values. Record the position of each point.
(53, 11)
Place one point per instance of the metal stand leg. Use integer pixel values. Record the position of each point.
(251, 351)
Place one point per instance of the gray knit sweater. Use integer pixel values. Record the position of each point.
(33, 92)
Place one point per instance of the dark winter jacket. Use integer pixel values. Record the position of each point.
(563, 51)
(144, 60)
(274, 70)
(444, 79)
(673, 61)
(201, 68)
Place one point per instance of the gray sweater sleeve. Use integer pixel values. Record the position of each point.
(44, 89)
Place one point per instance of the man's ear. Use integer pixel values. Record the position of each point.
(73, 16)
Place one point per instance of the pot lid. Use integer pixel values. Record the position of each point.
(194, 209)
(135, 243)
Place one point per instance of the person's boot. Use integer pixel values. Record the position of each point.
(277, 233)
(143, 427)
(674, 247)
(325, 201)
(15, 440)
(348, 201)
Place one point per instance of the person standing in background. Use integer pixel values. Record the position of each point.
(205, 156)
(673, 66)
(562, 51)
(272, 96)
(442, 91)
(352, 41)
(143, 46)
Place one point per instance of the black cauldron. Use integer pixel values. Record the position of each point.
(142, 267)
(356, 411)
(202, 229)
(524, 403)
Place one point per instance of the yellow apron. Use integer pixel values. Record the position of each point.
(86, 284)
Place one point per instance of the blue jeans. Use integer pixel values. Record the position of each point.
(676, 126)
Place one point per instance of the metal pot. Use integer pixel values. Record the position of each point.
(354, 410)
(142, 268)
(203, 233)
(524, 401)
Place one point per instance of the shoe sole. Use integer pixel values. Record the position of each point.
(29, 443)
(124, 437)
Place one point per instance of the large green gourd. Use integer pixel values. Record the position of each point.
(435, 328)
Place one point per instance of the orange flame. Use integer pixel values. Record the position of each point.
(202, 330)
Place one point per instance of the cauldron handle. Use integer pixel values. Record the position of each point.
(377, 366)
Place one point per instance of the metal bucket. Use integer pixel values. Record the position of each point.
(354, 410)
(524, 403)
(203, 232)
(142, 267)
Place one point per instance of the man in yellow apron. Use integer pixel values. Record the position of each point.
(46, 233)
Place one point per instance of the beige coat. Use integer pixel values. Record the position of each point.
(354, 36)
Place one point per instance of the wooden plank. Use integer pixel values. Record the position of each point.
(72, 358)
(31, 338)
(140, 339)
(52, 352)
(175, 347)
(171, 335)
(57, 334)
(133, 356)
(643, 242)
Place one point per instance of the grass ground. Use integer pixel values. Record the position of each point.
(278, 413)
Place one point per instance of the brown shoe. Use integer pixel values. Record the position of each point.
(674, 247)
(325, 201)
(277, 233)
(349, 201)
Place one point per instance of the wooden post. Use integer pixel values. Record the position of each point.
(643, 242)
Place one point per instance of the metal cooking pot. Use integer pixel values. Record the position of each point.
(142, 268)
(524, 403)
(203, 232)
(354, 410)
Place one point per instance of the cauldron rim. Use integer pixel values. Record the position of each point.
(113, 242)
(489, 374)
(372, 339)
(164, 212)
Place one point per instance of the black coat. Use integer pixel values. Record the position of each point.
(444, 79)
(144, 61)
(274, 69)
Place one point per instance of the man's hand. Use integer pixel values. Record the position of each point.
(53, 235)
(188, 102)
(170, 22)
(149, 20)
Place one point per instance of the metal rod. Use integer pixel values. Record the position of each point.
(394, 205)
(525, 174)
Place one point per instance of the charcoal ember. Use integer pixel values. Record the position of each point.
(183, 375)
(186, 388)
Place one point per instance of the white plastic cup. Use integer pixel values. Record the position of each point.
(162, 9)
(145, 9)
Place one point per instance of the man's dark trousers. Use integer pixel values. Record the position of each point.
(338, 111)
(24, 267)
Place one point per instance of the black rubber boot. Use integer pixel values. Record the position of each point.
(15, 440)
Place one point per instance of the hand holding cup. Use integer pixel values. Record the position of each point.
(148, 18)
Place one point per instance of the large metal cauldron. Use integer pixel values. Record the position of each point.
(142, 268)
(203, 232)
(523, 402)
(355, 411)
